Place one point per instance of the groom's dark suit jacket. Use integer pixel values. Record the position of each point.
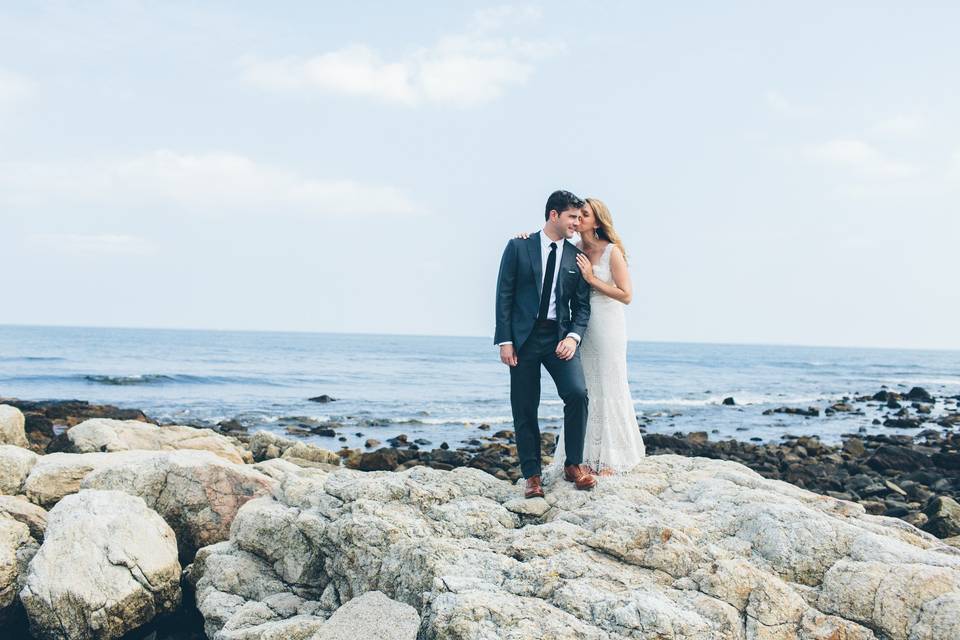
(518, 292)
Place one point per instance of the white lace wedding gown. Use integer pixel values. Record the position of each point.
(612, 441)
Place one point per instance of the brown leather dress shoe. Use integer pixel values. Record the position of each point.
(533, 488)
(580, 478)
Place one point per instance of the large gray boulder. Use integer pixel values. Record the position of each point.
(683, 548)
(104, 434)
(59, 474)
(372, 615)
(108, 564)
(240, 596)
(17, 548)
(15, 465)
(12, 426)
(20, 509)
(198, 493)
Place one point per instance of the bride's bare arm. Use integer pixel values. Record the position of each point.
(622, 289)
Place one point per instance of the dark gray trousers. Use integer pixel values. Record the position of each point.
(540, 349)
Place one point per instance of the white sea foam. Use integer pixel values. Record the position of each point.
(718, 400)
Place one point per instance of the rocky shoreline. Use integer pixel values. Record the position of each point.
(901, 474)
(189, 516)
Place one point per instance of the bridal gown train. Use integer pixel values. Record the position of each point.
(612, 442)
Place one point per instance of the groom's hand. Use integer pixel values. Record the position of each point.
(508, 355)
(566, 348)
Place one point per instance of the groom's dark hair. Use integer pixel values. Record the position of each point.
(560, 201)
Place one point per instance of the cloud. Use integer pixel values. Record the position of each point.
(355, 70)
(784, 107)
(217, 183)
(900, 125)
(861, 158)
(85, 245)
(465, 69)
(14, 88)
(504, 16)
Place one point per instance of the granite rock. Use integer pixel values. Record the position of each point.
(108, 565)
(15, 465)
(198, 493)
(12, 429)
(684, 548)
(104, 434)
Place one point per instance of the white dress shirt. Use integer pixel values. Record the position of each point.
(544, 256)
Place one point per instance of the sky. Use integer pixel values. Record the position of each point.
(783, 173)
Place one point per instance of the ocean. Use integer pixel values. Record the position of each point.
(441, 389)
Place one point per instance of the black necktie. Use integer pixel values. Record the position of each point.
(548, 282)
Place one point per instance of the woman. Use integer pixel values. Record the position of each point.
(612, 443)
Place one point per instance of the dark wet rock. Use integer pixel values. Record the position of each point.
(548, 442)
(854, 446)
(902, 423)
(949, 460)
(398, 441)
(386, 459)
(842, 407)
(323, 431)
(897, 458)
(950, 420)
(874, 507)
(729, 401)
(943, 515)
(43, 419)
(322, 398)
(505, 434)
(371, 442)
(810, 412)
(919, 393)
(226, 426)
(484, 427)
(697, 437)
(373, 422)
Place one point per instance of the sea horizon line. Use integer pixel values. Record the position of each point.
(469, 336)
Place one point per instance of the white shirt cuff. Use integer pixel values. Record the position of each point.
(503, 343)
(575, 336)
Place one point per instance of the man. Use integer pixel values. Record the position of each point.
(543, 305)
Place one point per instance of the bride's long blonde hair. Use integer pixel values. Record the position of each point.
(605, 228)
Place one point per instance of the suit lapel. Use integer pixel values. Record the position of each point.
(533, 247)
(568, 250)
